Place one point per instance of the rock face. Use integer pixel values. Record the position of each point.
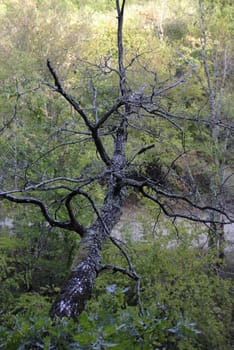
(137, 225)
(7, 223)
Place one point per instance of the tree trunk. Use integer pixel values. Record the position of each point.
(216, 240)
(78, 288)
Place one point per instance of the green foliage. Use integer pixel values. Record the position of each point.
(176, 30)
(39, 333)
(34, 261)
(181, 289)
(186, 306)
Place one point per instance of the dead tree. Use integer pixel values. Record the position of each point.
(118, 174)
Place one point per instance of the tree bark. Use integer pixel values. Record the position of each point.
(87, 264)
(78, 289)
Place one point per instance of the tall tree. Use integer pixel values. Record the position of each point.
(131, 109)
(215, 80)
(217, 70)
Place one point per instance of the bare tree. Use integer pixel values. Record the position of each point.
(216, 63)
(119, 172)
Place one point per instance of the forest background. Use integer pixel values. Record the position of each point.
(185, 48)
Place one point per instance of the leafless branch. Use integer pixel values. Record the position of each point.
(107, 114)
(42, 206)
(183, 199)
(151, 185)
(196, 119)
(173, 163)
(94, 131)
(133, 275)
(114, 268)
(61, 145)
(142, 150)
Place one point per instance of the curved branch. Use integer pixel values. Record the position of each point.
(73, 219)
(60, 89)
(142, 150)
(166, 115)
(29, 200)
(94, 131)
(130, 273)
(151, 185)
(52, 149)
(114, 268)
(38, 187)
(188, 201)
(122, 251)
(75, 223)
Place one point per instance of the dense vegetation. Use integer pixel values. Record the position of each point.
(186, 298)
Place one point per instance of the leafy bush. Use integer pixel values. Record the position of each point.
(186, 306)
